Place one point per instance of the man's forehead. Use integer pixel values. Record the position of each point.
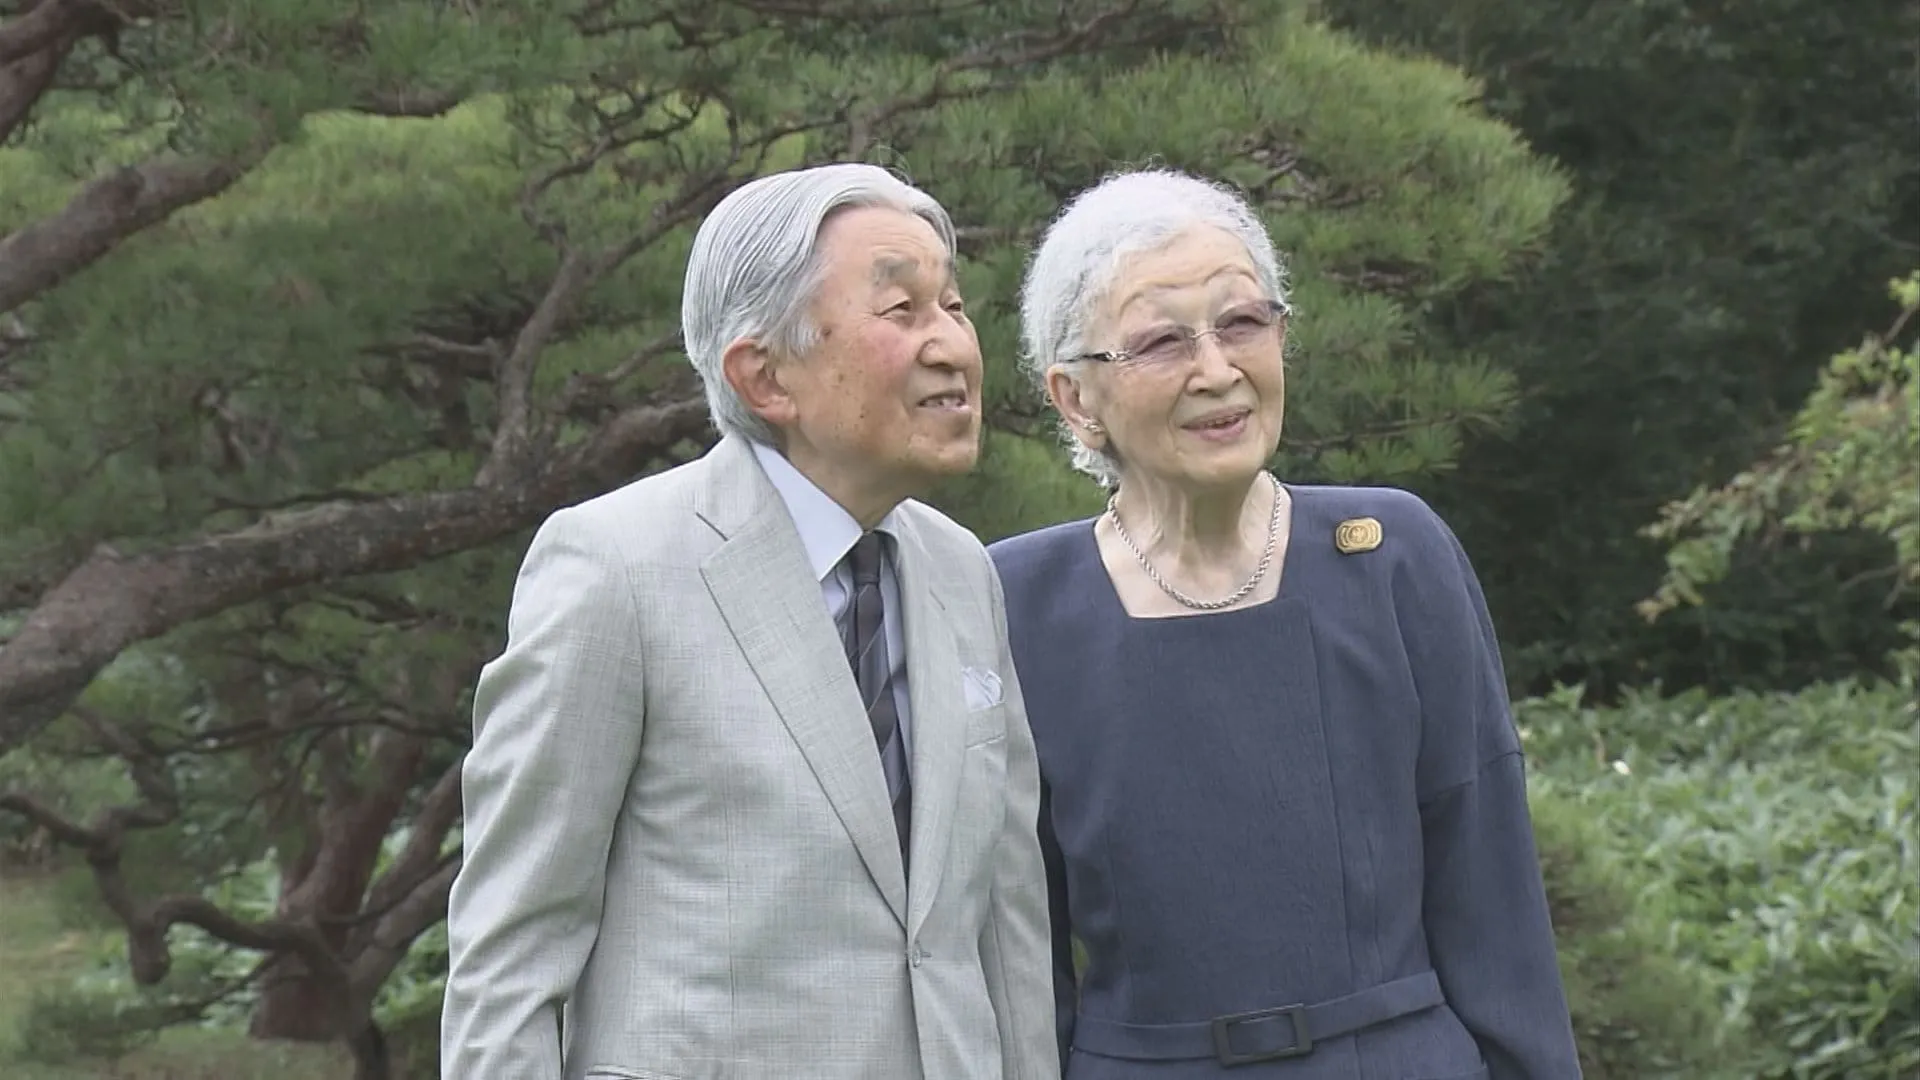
(893, 267)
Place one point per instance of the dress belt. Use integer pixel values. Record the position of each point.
(1261, 1035)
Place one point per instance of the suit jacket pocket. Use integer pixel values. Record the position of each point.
(986, 725)
(616, 1072)
(1477, 1074)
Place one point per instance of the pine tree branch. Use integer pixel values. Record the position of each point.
(1006, 53)
(423, 907)
(411, 897)
(147, 923)
(406, 901)
(62, 828)
(37, 40)
(587, 392)
(147, 952)
(513, 431)
(24, 81)
(39, 24)
(439, 812)
(39, 27)
(23, 586)
(266, 935)
(513, 448)
(354, 819)
(114, 599)
(107, 211)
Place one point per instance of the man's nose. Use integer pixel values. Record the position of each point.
(953, 344)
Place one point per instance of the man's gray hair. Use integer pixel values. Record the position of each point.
(1080, 257)
(755, 267)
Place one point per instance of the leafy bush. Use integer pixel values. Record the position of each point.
(64, 1024)
(1775, 839)
(1851, 461)
(100, 1015)
(1639, 1013)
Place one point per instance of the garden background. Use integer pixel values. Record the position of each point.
(310, 312)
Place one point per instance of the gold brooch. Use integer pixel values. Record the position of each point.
(1356, 535)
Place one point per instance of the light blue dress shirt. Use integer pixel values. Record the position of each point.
(828, 532)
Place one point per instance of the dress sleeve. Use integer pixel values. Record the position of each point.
(1484, 904)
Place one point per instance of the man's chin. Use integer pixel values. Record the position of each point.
(950, 461)
(934, 473)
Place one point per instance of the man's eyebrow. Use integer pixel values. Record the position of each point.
(901, 269)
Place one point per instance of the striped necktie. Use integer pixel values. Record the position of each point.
(866, 640)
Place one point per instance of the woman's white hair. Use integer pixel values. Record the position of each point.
(755, 267)
(1080, 257)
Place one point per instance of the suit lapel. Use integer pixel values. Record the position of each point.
(939, 728)
(767, 594)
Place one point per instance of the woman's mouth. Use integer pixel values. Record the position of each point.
(1220, 426)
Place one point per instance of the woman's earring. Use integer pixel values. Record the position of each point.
(1094, 428)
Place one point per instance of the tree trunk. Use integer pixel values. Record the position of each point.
(295, 1005)
(298, 1007)
(371, 1058)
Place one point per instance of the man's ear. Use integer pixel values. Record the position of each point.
(1070, 400)
(754, 374)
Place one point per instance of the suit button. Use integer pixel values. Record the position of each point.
(914, 956)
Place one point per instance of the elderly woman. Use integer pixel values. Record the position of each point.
(1284, 809)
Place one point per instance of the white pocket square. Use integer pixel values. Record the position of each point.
(982, 688)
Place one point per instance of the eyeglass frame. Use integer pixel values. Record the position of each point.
(1280, 309)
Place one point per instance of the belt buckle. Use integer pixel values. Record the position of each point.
(1223, 1036)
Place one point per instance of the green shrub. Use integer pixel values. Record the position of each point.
(66, 1024)
(99, 1020)
(1775, 839)
(1639, 1012)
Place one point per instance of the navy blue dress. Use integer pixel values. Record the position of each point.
(1317, 801)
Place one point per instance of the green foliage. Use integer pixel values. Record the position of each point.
(62, 1025)
(1851, 461)
(1776, 840)
(1745, 176)
(1638, 1012)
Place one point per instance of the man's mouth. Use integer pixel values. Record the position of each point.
(946, 399)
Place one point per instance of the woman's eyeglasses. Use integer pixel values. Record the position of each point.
(1237, 328)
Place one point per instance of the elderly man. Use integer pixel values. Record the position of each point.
(752, 791)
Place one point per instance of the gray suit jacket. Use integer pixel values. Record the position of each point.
(677, 827)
